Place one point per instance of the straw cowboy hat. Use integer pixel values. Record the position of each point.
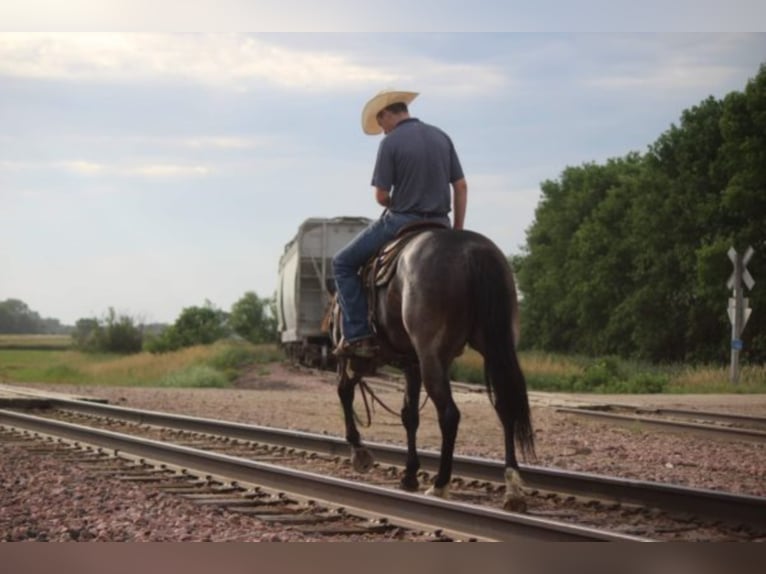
(378, 103)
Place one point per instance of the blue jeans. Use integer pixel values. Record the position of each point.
(346, 264)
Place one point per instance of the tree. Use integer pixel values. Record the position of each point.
(201, 325)
(16, 317)
(251, 318)
(87, 334)
(194, 326)
(629, 258)
(112, 334)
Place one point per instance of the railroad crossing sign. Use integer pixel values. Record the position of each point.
(746, 277)
(739, 307)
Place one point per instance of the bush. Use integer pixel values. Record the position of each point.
(112, 334)
(195, 376)
(254, 319)
(608, 375)
(598, 376)
(643, 383)
(165, 342)
(195, 326)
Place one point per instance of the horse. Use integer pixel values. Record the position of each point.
(450, 288)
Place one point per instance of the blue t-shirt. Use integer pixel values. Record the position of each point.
(416, 163)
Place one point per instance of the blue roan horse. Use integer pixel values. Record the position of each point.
(450, 288)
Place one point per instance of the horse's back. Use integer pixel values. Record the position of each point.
(436, 287)
(443, 260)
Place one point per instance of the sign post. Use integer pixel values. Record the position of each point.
(739, 306)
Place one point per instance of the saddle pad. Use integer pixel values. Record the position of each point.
(381, 267)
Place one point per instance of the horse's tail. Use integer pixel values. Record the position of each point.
(494, 299)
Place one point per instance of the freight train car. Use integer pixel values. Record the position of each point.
(306, 284)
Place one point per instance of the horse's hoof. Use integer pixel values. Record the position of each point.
(410, 484)
(515, 505)
(362, 459)
(438, 491)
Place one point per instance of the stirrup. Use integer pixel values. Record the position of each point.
(363, 348)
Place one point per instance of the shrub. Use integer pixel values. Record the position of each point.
(195, 376)
(112, 334)
(254, 319)
(195, 326)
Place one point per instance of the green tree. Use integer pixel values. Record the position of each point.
(201, 325)
(194, 326)
(87, 334)
(251, 318)
(112, 334)
(629, 257)
(16, 317)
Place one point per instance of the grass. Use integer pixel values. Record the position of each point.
(46, 360)
(40, 342)
(566, 373)
(200, 366)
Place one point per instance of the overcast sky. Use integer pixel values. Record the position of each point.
(152, 171)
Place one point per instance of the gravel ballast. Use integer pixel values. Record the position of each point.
(45, 499)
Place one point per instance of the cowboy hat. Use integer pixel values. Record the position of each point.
(378, 103)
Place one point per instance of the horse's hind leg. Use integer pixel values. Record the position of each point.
(361, 458)
(436, 381)
(514, 499)
(411, 421)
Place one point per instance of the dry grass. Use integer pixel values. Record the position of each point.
(69, 366)
(47, 359)
(546, 371)
(469, 367)
(752, 378)
(134, 369)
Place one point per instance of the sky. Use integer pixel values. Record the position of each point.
(153, 171)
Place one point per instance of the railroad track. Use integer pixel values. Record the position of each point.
(295, 497)
(565, 495)
(710, 424)
(702, 423)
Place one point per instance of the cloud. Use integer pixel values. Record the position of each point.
(229, 59)
(223, 142)
(234, 61)
(89, 168)
(81, 167)
(169, 170)
(674, 62)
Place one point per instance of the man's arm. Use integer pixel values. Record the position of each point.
(459, 202)
(382, 196)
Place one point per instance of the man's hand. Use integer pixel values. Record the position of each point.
(382, 196)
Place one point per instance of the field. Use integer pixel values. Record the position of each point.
(50, 360)
(37, 342)
(201, 366)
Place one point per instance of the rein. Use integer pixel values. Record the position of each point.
(365, 388)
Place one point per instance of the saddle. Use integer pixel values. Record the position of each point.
(379, 270)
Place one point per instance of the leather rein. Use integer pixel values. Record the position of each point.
(366, 389)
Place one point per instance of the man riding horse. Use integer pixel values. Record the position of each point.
(447, 289)
(415, 167)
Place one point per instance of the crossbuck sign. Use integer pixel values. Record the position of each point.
(739, 306)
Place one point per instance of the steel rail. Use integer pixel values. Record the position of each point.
(700, 415)
(711, 504)
(664, 424)
(472, 520)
